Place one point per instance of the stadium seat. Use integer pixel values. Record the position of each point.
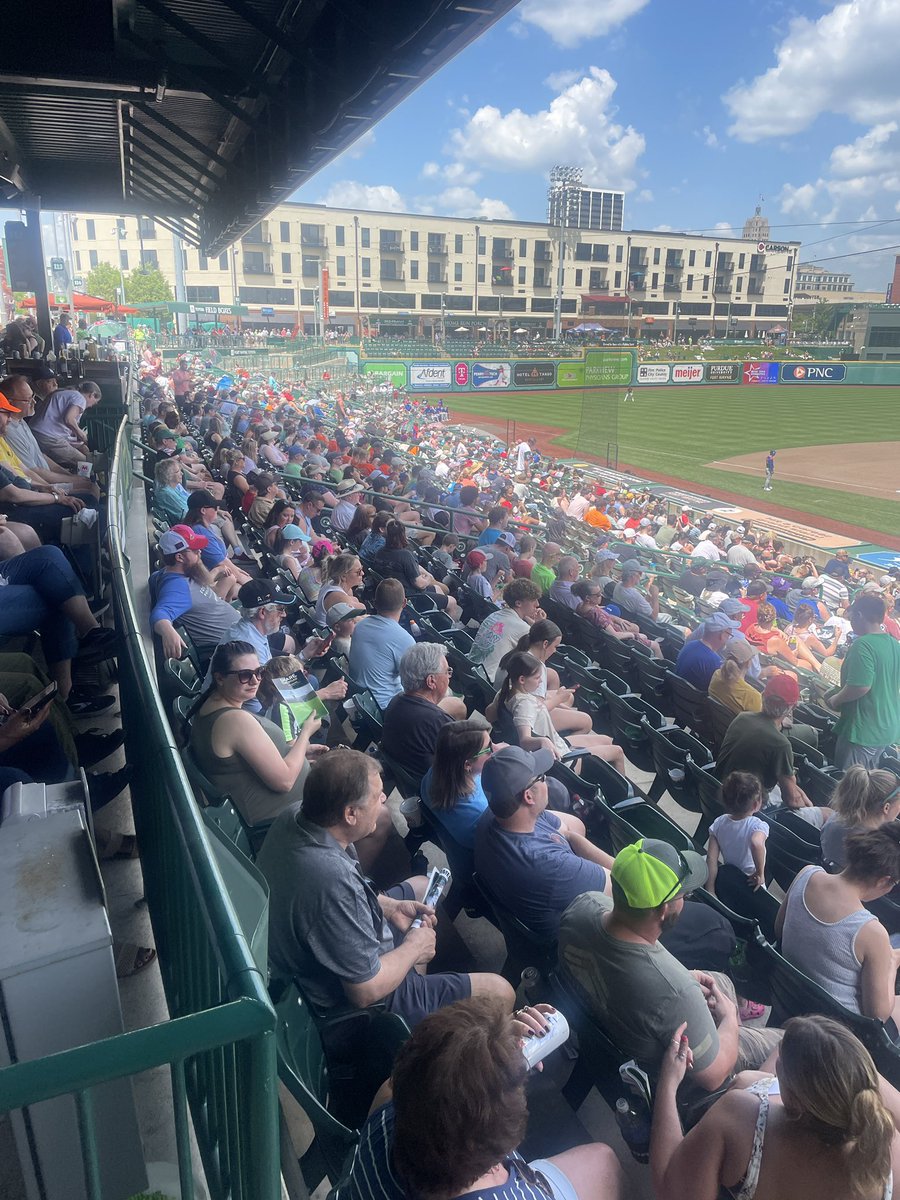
(524, 947)
(650, 679)
(631, 717)
(688, 702)
(716, 719)
(671, 747)
(709, 793)
(759, 906)
(786, 853)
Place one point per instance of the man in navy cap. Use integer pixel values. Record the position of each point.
(699, 659)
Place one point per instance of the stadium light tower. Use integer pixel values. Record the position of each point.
(562, 198)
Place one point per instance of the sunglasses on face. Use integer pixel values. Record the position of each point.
(537, 779)
(488, 750)
(247, 676)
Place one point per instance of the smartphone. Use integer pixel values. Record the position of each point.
(41, 700)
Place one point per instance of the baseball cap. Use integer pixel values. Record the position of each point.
(163, 433)
(181, 537)
(475, 559)
(632, 566)
(343, 612)
(296, 451)
(732, 607)
(202, 499)
(886, 580)
(811, 581)
(871, 589)
(644, 522)
(758, 587)
(783, 687)
(739, 649)
(718, 622)
(258, 592)
(509, 772)
(740, 529)
(5, 406)
(348, 486)
(293, 533)
(651, 872)
(44, 373)
(606, 555)
(629, 533)
(507, 538)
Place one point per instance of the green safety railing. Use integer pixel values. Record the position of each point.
(219, 1042)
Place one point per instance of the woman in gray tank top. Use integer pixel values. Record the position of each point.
(863, 799)
(245, 755)
(829, 935)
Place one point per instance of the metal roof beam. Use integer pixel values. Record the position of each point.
(148, 111)
(180, 230)
(200, 169)
(146, 180)
(206, 44)
(191, 79)
(263, 25)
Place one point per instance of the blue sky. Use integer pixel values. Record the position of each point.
(695, 108)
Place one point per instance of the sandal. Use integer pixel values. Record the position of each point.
(116, 845)
(750, 1010)
(131, 958)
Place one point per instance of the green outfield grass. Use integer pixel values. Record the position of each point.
(676, 430)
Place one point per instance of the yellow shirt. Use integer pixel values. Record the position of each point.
(739, 696)
(11, 460)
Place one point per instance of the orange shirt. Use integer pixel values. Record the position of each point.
(598, 519)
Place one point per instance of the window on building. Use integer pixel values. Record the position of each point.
(202, 261)
(521, 275)
(365, 267)
(706, 283)
(341, 299)
(523, 247)
(482, 245)
(514, 304)
(312, 235)
(457, 243)
(578, 277)
(255, 263)
(414, 269)
(690, 283)
(123, 259)
(458, 303)
(339, 235)
(481, 272)
(542, 304)
(540, 278)
(582, 252)
(501, 274)
(618, 280)
(487, 303)
(266, 295)
(413, 240)
(286, 263)
(365, 237)
(655, 258)
(390, 240)
(149, 258)
(77, 260)
(341, 264)
(739, 286)
(223, 261)
(146, 227)
(203, 294)
(310, 266)
(620, 250)
(457, 272)
(90, 230)
(707, 260)
(436, 273)
(285, 230)
(596, 280)
(654, 281)
(742, 258)
(92, 258)
(790, 262)
(692, 258)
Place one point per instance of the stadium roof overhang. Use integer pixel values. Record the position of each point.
(205, 113)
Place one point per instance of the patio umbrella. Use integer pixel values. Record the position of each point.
(520, 330)
(461, 329)
(482, 328)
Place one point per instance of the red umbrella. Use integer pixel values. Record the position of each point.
(82, 303)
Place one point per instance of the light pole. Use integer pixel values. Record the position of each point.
(477, 232)
(565, 186)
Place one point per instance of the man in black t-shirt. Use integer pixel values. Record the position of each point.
(414, 719)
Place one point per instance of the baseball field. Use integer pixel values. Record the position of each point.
(838, 447)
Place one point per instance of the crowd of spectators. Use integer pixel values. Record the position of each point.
(440, 584)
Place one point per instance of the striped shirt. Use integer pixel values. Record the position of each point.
(372, 1175)
(834, 593)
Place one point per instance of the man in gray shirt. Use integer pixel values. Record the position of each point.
(627, 596)
(328, 929)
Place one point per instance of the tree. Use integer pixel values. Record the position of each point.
(102, 281)
(813, 321)
(146, 285)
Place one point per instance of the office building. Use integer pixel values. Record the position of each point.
(588, 208)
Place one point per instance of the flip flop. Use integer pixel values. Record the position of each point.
(131, 958)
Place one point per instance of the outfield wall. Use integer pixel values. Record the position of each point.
(615, 369)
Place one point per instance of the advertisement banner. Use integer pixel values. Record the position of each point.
(534, 374)
(760, 372)
(393, 372)
(570, 374)
(831, 372)
(461, 374)
(491, 375)
(430, 376)
(723, 372)
(653, 373)
(687, 373)
(607, 368)
(324, 294)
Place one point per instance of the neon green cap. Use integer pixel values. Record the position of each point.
(651, 871)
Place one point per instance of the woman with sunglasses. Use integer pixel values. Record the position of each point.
(245, 755)
(451, 788)
(341, 574)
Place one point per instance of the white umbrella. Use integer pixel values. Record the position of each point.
(482, 328)
(461, 329)
(520, 330)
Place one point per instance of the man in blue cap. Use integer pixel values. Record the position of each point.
(700, 658)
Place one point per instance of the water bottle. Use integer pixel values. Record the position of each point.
(633, 1120)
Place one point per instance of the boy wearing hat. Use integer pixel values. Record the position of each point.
(611, 950)
(533, 860)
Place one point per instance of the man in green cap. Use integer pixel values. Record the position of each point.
(610, 950)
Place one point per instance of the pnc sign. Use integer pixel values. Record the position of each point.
(813, 372)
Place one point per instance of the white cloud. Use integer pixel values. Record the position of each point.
(862, 177)
(644, 196)
(349, 193)
(870, 154)
(558, 81)
(663, 228)
(362, 144)
(431, 170)
(464, 202)
(569, 22)
(577, 128)
(845, 62)
(709, 137)
(723, 226)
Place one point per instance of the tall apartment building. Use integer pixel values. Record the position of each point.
(589, 208)
(818, 282)
(417, 274)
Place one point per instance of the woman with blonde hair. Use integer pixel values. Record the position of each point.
(823, 1127)
(729, 683)
(863, 799)
(340, 574)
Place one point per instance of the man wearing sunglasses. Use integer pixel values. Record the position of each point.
(611, 951)
(534, 861)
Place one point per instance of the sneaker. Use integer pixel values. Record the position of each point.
(106, 787)
(85, 705)
(94, 746)
(98, 645)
